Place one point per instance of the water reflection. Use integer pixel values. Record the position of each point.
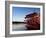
(19, 27)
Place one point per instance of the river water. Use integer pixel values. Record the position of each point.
(19, 27)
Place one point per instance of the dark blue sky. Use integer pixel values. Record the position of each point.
(18, 13)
